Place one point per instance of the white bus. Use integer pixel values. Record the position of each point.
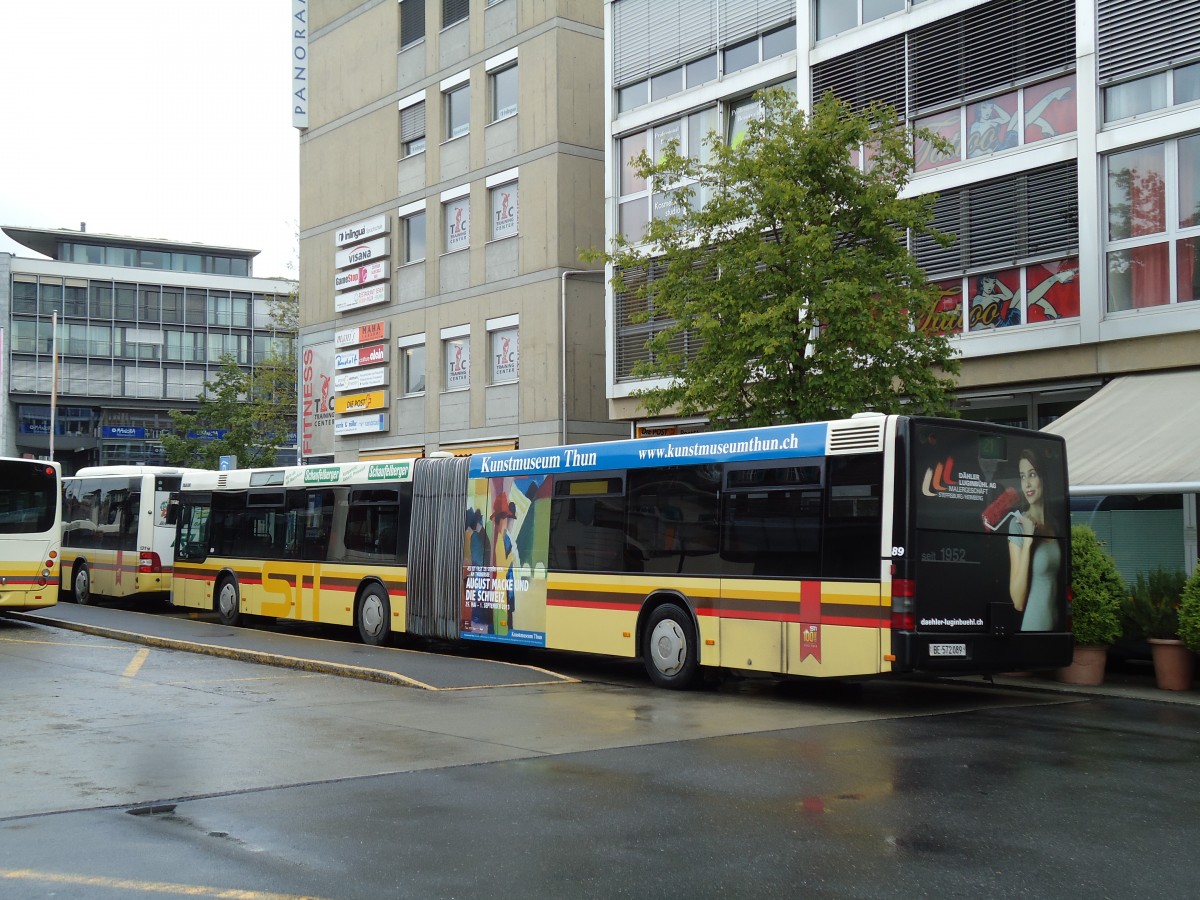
(116, 540)
(30, 532)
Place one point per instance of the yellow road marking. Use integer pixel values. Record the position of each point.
(63, 644)
(136, 663)
(147, 887)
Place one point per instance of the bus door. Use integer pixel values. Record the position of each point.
(770, 545)
(991, 549)
(292, 586)
(162, 539)
(192, 584)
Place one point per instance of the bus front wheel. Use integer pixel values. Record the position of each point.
(228, 602)
(81, 584)
(374, 616)
(669, 649)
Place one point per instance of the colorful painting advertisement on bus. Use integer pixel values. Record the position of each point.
(991, 530)
(506, 540)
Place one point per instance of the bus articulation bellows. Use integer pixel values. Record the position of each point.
(871, 545)
(30, 533)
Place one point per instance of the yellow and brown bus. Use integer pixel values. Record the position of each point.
(30, 533)
(117, 542)
(848, 548)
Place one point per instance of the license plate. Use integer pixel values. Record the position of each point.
(948, 650)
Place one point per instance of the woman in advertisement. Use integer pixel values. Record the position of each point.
(1034, 553)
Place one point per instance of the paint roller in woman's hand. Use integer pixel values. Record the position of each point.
(1000, 509)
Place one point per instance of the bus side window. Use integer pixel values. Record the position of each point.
(853, 517)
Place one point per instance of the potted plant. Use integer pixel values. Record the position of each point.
(1096, 595)
(1153, 609)
(1189, 612)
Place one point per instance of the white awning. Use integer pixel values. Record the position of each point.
(1139, 434)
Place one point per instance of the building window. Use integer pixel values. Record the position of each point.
(413, 234)
(503, 83)
(1160, 90)
(456, 353)
(836, 16)
(1153, 233)
(506, 355)
(412, 21)
(457, 216)
(504, 210)
(454, 11)
(413, 362)
(1014, 258)
(412, 129)
(1036, 113)
(458, 111)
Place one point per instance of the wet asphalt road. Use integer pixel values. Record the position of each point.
(140, 772)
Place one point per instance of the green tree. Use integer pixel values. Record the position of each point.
(253, 412)
(780, 287)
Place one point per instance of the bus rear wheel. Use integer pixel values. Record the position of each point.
(374, 616)
(227, 602)
(81, 584)
(669, 649)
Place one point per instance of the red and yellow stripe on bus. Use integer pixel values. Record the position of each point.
(814, 628)
(291, 589)
(29, 585)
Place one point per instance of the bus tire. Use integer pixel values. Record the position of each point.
(373, 615)
(227, 601)
(81, 584)
(669, 649)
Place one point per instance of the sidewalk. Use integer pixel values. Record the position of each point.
(1128, 680)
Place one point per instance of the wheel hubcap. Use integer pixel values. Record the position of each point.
(668, 647)
(228, 600)
(372, 615)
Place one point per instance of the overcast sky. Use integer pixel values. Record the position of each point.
(151, 118)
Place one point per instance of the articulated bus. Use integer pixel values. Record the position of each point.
(117, 541)
(871, 545)
(30, 533)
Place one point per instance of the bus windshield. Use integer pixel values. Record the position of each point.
(28, 497)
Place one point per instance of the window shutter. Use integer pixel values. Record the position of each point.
(1005, 222)
(1135, 35)
(631, 41)
(990, 47)
(742, 19)
(454, 11)
(412, 122)
(412, 21)
(872, 73)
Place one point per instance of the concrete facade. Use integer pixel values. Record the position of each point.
(380, 147)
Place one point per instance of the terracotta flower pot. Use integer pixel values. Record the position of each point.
(1087, 666)
(1173, 664)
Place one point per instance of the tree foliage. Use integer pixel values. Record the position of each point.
(249, 415)
(780, 288)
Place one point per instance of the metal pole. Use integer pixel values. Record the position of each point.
(53, 381)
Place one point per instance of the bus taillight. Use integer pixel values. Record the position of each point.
(148, 561)
(903, 591)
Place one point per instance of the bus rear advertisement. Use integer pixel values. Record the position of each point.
(859, 547)
(30, 533)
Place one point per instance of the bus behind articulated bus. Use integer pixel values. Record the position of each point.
(117, 541)
(860, 547)
(30, 533)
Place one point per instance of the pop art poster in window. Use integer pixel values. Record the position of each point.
(947, 125)
(1050, 109)
(946, 317)
(995, 299)
(992, 125)
(1052, 290)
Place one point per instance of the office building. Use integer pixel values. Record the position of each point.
(142, 325)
